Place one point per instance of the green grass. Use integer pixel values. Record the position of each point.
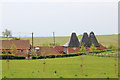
(105, 40)
(93, 67)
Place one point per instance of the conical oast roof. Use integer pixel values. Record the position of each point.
(93, 39)
(85, 40)
(74, 42)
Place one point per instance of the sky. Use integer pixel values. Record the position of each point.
(61, 17)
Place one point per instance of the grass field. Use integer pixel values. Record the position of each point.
(106, 40)
(93, 67)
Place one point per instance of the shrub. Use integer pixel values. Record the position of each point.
(41, 57)
(14, 49)
(111, 47)
(93, 48)
(51, 56)
(35, 57)
(82, 49)
(11, 57)
(6, 57)
(57, 56)
(19, 57)
(57, 44)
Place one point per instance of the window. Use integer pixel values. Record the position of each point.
(74, 48)
(21, 55)
(9, 52)
(22, 51)
(3, 52)
(37, 50)
(27, 51)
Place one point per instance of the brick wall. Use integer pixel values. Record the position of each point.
(72, 50)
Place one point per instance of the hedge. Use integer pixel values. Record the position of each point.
(68, 55)
(99, 51)
(11, 57)
(55, 56)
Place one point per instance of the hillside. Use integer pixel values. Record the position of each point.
(106, 40)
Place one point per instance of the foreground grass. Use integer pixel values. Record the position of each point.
(93, 67)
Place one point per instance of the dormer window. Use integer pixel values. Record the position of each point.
(37, 49)
(22, 51)
(74, 48)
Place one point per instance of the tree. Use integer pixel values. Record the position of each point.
(82, 49)
(7, 33)
(44, 53)
(93, 48)
(14, 49)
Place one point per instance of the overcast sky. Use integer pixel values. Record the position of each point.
(63, 18)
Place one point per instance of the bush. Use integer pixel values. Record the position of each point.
(19, 57)
(35, 57)
(93, 48)
(41, 57)
(6, 57)
(57, 56)
(111, 47)
(51, 56)
(11, 57)
(97, 51)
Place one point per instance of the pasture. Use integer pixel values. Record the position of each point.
(105, 40)
(93, 67)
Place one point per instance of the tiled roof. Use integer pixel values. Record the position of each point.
(101, 47)
(73, 42)
(59, 49)
(93, 39)
(45, 50)
(85, 40)
(20, 44)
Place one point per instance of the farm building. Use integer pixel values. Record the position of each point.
(87, 41)
(74, 44)
(22, 47)
(45, 50)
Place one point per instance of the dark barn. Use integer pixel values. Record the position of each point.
(74, 44)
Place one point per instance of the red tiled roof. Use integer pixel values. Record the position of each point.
(101, 47)
(48, 51)
(20, 44)
(59, 49)
(45, 50)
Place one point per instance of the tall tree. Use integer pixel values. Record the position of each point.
(14, 49)
(83, 49)
(7, 33)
